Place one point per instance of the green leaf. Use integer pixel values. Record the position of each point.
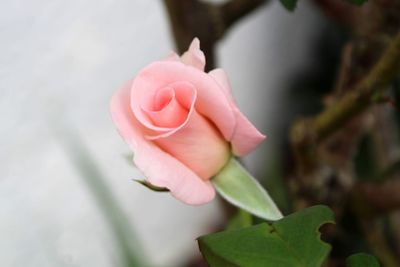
(357, 2)
(289, 4)
(239, 188)
(293, 241)
(240, 220)
(150, 186)
(362, 260)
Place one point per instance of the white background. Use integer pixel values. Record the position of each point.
(60, 62)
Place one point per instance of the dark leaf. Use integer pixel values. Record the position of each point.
(150, 186)
(289, 4)
(362, 260)
(290, 242)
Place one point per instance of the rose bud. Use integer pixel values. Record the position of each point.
(182, 124)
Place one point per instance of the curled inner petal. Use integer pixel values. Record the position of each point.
(176, 113)
(163, 97)
(211, 102)
(165, 110)
(193, 140)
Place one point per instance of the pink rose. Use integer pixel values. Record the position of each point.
(182, 124)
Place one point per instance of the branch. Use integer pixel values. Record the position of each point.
(306, 134)
(234, 10)
(379, 78)
(207, 21)
(372, 199)
(378, 244)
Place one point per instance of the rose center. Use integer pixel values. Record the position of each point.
(162, 98)
(164, 109)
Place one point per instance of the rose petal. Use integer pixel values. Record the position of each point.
(144, 102)
(186, 95)
(172, 56)
(222, 79)
(245, 137)
(160, 168)
(164, 109)
(198, 145)
(211, 100)
(194, 56)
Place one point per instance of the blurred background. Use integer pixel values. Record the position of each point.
(67, 195)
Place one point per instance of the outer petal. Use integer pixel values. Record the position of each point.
(199, 146)
(172, 56)
(211, 100)
(160, 168)
(245, 137)
(194, 56)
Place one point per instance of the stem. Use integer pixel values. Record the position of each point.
(379, 78)
(234, 10)
(131, 252)
(207, 21)
(378, 244)
(306, 134)
(372, 199)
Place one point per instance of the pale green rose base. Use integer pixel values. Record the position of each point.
(242, 190)
(238, 187)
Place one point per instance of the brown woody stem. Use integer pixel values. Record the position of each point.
(207, 21)
(306, 134)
